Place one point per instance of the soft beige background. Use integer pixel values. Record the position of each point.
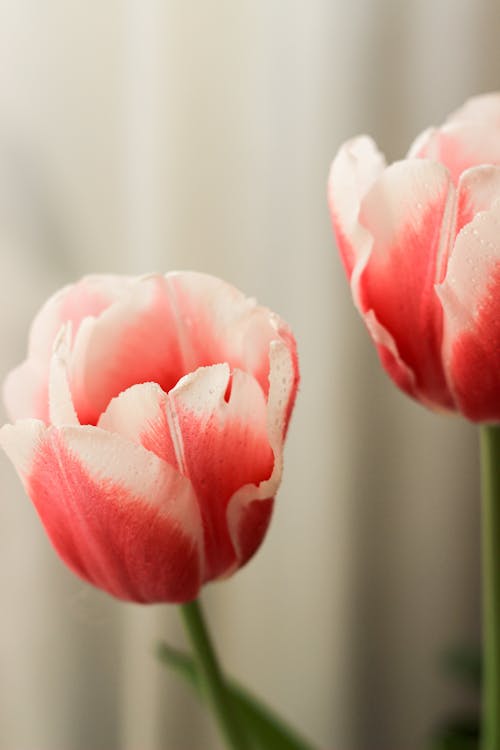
(143, 135)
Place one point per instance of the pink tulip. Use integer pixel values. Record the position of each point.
(420, 242)
(152, 413)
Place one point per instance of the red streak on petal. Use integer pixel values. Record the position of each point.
(158, 439)
(115, 541)
(475, 360)
(398, 285)
(220, 458)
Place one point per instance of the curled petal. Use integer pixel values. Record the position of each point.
(119, 517)
(409, 212)
(478, 190)
(141, 414)
(248, 511)
(470, 296)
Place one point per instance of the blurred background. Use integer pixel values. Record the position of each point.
(138, 136)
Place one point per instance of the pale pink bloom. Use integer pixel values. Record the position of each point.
(420, 242)
(152, 415)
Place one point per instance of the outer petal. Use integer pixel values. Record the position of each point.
(26, 391)
(354, 170)
(409, 213)
(26, 387)
(161, 330)
(119, 517)
(213, 427)
(470, 296)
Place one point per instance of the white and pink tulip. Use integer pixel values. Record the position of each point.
(152, 414)
(420, 243)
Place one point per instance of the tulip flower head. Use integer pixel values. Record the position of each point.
(420, 243)
(151, 419)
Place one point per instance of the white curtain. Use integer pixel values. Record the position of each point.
(138, 136)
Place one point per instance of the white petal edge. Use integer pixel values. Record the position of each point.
(21, 442)
(355, 168)
(482, 108)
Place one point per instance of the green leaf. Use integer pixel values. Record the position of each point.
(458, 734)
(266, 729)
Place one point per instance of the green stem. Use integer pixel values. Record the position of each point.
(213, 682)
(490, 482)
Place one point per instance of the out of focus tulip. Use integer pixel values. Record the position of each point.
(152, 414)
(420, 242)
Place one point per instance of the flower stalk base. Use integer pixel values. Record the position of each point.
(212, 680)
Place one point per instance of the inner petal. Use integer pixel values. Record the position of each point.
(164, 328)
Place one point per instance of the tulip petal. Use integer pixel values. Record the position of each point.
(141, 414)
(26, 387)
(249, 509)
(354, 170)
(61, 407)
(119, 516)
(88, 297)
(409, 212)
(26, 391)
(482, 108)
(132, 341)
(478, 190)
(459, 145)
(470, 296)
(220, 421)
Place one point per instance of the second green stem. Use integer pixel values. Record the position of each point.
(490, 486)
